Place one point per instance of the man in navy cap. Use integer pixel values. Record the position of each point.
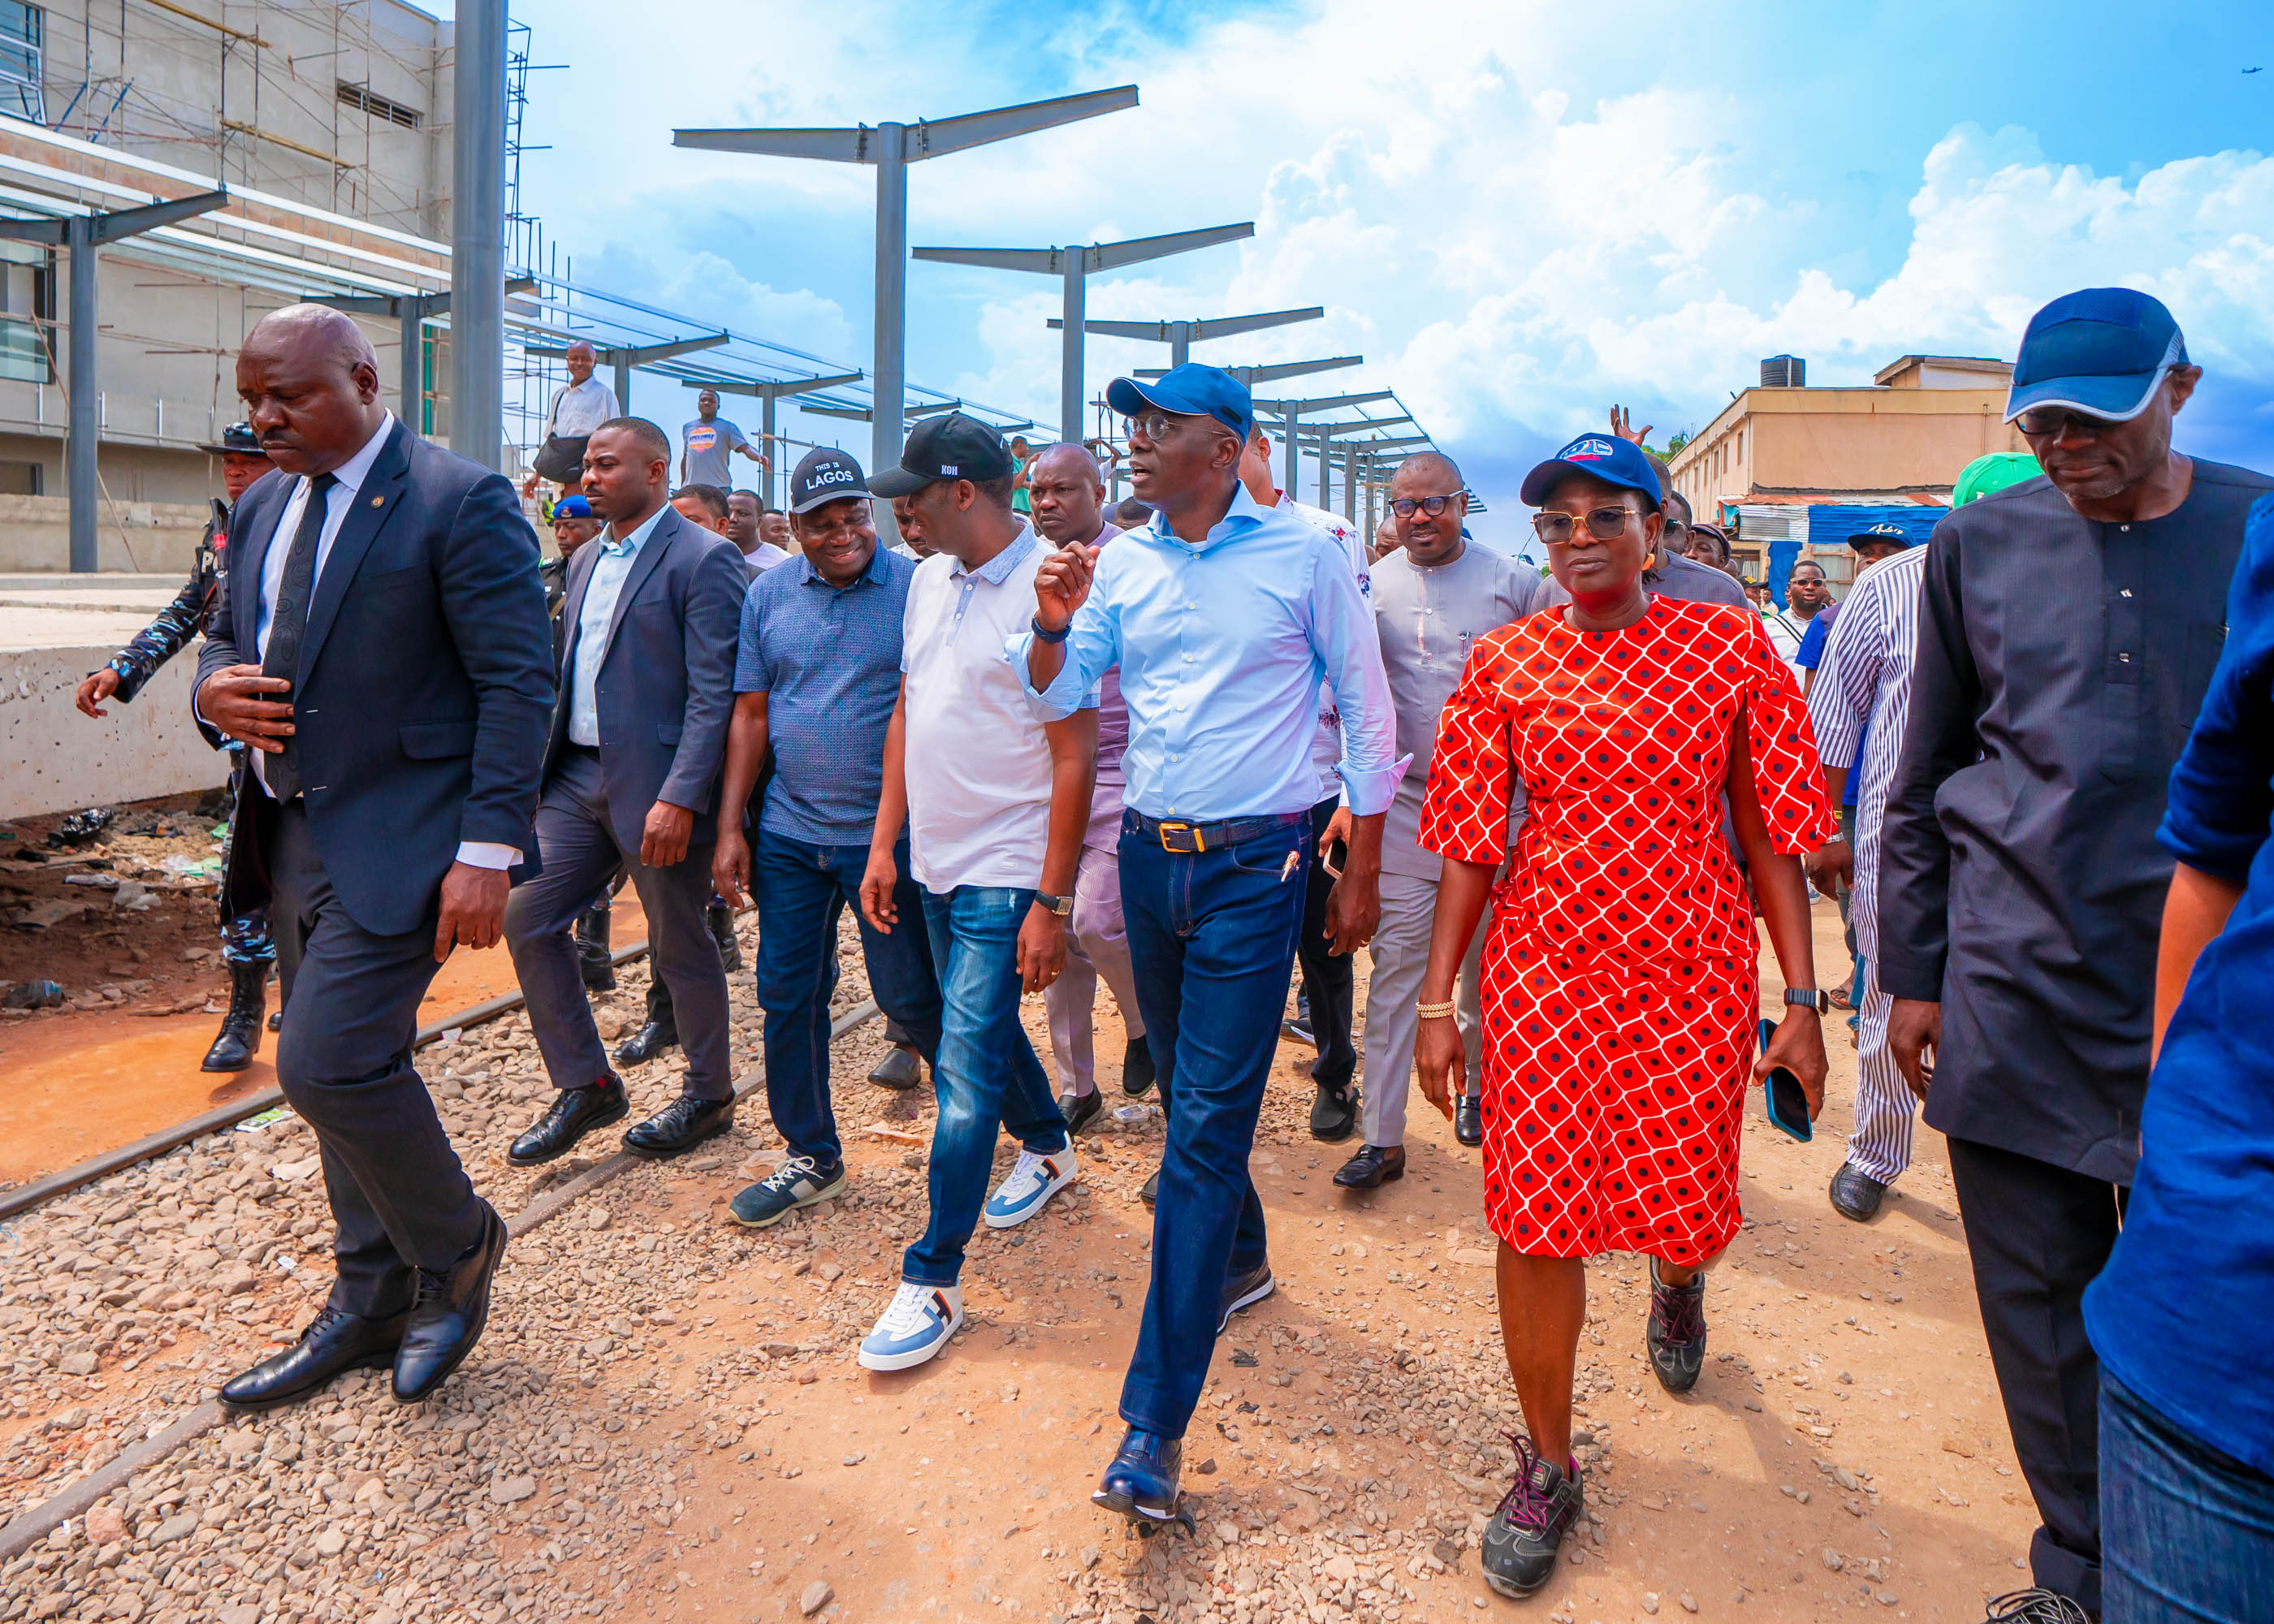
(2068, 627)
(1224, 616)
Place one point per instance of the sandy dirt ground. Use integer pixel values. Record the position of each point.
(665, 1420)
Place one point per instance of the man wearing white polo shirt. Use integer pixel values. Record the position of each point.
(996, 800)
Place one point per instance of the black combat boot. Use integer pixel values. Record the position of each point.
(599, 970)
(240, 1029)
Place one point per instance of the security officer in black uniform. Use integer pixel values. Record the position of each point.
(245, 943)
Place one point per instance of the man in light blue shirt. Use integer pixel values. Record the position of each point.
(602, 589)
(1224, 617)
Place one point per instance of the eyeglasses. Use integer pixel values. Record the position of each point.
(1403, 506)
(1603, 523)
(1155, 425)
(2054, 422)
(1675, 531)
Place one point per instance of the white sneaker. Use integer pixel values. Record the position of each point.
(1030, 1188)
(916, 1324)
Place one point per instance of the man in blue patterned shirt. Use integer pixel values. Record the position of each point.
(816, 679)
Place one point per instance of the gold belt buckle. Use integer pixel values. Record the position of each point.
(1174, 837)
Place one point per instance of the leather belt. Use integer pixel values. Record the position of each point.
(1178, 835)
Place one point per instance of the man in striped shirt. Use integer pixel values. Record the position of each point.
(1857, 705)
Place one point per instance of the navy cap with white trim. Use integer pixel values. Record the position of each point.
(2102, 351)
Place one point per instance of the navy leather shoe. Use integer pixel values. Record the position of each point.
(1140, 1481)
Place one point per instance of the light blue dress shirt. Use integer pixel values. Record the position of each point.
(1222, 647)
(601, 589)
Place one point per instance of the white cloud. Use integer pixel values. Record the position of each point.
(1513, 238)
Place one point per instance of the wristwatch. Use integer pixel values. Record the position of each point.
(1808, 998)
(1063, 906)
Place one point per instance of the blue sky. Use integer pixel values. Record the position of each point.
(1519, 213)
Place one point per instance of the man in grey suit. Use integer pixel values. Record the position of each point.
(652, 613)
(382, 647)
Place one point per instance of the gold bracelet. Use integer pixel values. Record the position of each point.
(1436, 1011)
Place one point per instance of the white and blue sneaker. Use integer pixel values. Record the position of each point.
(916, 1324)
(1030, 1188)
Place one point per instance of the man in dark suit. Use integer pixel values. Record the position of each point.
(382, 649)
(652, 613)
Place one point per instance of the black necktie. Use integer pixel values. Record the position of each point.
(287, 623)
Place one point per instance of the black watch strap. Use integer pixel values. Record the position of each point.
(1808, 998)
(1063, 906)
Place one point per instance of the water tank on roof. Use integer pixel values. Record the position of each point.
(1784, 371)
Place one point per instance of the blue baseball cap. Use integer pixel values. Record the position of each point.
(1884, 534)
(2101, 350)
(1191, 390)
(1596, 456)
(572, 507)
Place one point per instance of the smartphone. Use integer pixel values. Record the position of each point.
(1786, 1102)
(1338, 857)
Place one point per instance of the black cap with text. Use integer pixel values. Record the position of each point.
(952, 447)
(824, 474)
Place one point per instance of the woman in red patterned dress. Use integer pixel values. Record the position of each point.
(1619, 983)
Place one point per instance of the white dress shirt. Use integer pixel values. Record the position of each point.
(602, 589)
(580, 407)
(348, 480)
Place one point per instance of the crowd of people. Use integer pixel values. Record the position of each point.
(1213, 742)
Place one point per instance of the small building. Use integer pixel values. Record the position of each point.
(1783, 448)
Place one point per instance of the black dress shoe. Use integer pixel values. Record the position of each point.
(1334, 1113)
(276, 1019)
(650, 1040)
(1469, 1119)
(681, 1126)
(720, 918)
(1856, 1193)
(1372, 1166)
(573, 1113)
(447, 1318)
(1080, 1110)
(1298, 1027)
(334, 1342)
(900, 1068)
(1151, 1191)
(1137, 1070)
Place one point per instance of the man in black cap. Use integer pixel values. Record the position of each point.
(2068, 627)
(816, 673)
(246, 946)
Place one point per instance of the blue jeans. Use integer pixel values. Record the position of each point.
(802, 889)
(2187, 1532)
(1212, 938)
(986, 1072)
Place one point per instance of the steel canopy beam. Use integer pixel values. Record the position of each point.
(891, 148)
(82, 235)
(1252, 375)
(1073, 265)
(1180, 336)
(411, 311)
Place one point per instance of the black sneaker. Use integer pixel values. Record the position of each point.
(1152, 1192)
(1518, 1551)
(1079, 1109)
(1676, 1333)
(1334, 1113)
(2035, 1607)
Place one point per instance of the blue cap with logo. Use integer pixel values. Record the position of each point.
(572, 507)
(1886, 533)
(2102, 351)
(1191, 390)
(1594, 456)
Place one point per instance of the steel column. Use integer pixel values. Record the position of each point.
(1070, 363)
(766, 445)
(1349, 482)
(478, 235)
(411, 311)
(1325, 463)
(1290, 424)
(85, 411)
(1180, 343)
(889, 368)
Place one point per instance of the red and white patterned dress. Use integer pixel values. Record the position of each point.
(1619, 982)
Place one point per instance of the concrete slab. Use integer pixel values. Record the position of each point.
(52, 759)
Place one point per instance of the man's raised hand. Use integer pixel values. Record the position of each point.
(1062, 584)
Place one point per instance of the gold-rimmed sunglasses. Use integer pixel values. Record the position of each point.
(1603, 523)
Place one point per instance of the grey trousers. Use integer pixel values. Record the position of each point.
(579, 853)
(1098, 944)
(1400, 956)
(399, 1196)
